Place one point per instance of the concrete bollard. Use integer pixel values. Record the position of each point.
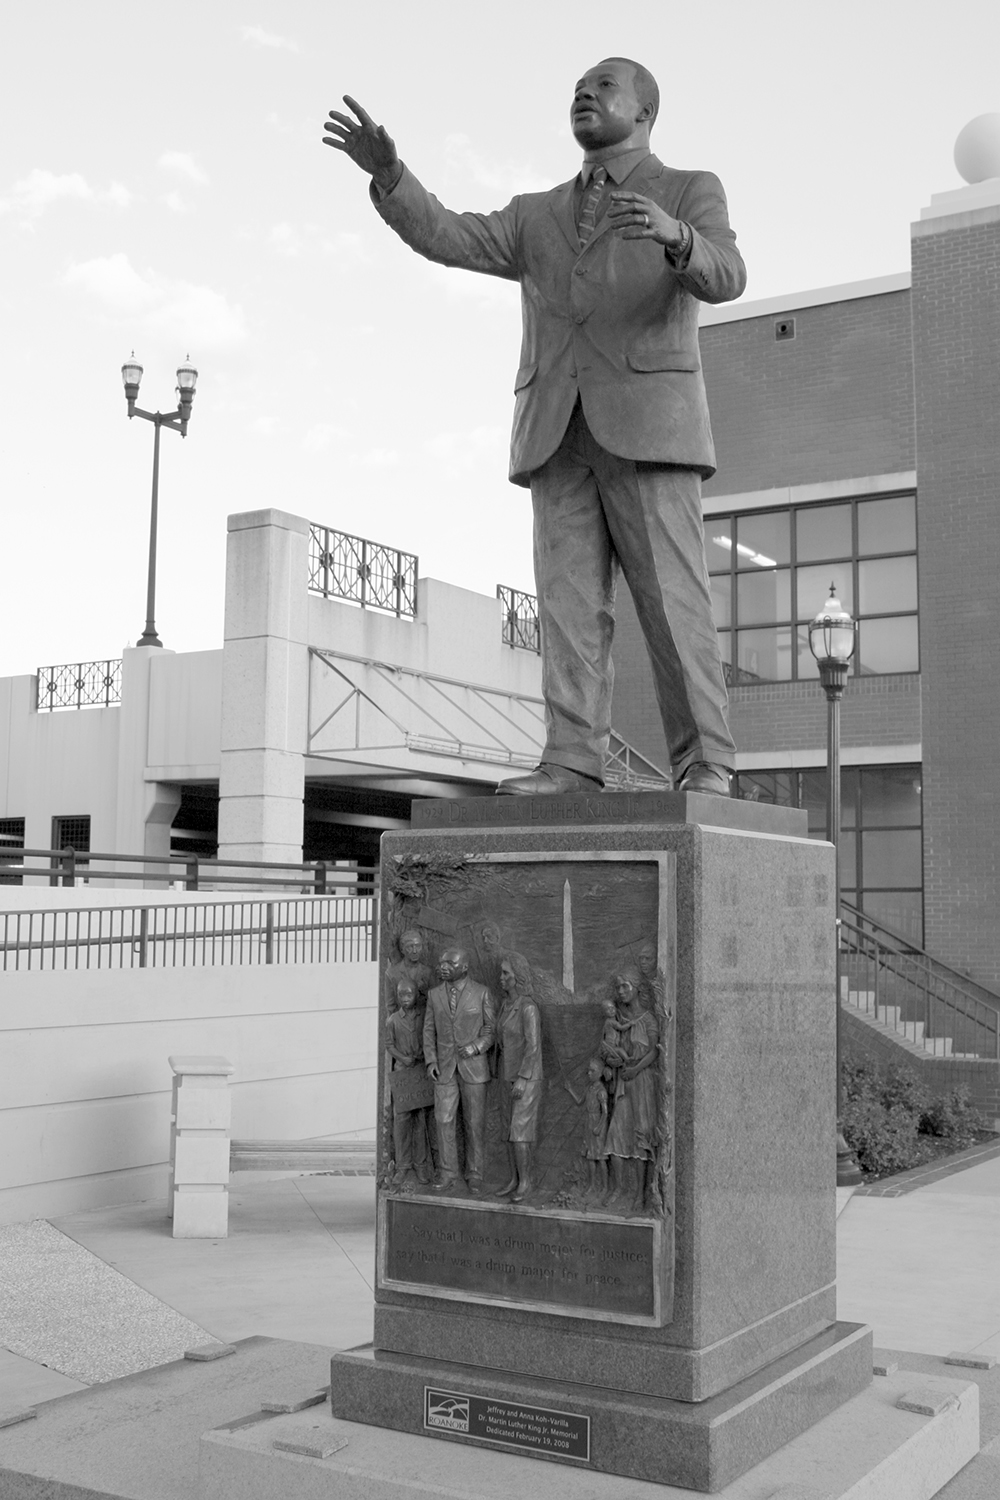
(198, 1199)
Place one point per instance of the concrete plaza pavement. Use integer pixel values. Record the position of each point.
(298, 1265)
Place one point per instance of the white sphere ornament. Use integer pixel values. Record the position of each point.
(977, 149)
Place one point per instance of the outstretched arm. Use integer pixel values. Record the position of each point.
(473, 242)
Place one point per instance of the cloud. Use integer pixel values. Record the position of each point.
(32, 195)
(460, 452)
(322, 435)
(176, 203)
(184, 165)
(462, 286)
(258, 37)
(309, 239)
(196, 316)
(377, 458)
(505, 178)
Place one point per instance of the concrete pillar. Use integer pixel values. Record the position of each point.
(265, 679)
(956, 335)
(138, 802)
(198, 1199)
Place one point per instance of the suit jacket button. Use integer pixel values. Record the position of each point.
(581, 270)
(579, 318)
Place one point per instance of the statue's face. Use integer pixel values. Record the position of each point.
(412, 946)
(454, 965)
(624, 989)
(406, 994)
(508, 979)
(605, 106)
(491, 938)
(647, 959)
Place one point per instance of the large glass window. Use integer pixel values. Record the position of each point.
(881, 838)
(771, 572)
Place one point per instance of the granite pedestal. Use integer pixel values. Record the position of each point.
(684, 1334)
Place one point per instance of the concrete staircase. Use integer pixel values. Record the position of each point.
(888, 1019)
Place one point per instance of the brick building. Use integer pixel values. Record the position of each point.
(858, 437)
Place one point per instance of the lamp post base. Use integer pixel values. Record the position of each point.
(149, 638)
(848, 1172)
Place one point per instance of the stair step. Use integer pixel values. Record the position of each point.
(888, 1013)
(938, 1046)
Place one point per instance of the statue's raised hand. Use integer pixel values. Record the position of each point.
(367, 144)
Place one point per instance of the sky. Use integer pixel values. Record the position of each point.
(164, 188)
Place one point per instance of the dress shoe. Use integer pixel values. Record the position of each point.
(446, 1185)
(548, 780)
(709, 780)
(476, 1187)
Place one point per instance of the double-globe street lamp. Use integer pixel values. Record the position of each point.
(177, 421)
(832, 638)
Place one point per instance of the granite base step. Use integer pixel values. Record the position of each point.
(696, 1445)
(869, 1447)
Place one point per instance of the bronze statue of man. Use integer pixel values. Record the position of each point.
(611, 429)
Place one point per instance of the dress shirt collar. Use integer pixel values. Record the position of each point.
(617, 167)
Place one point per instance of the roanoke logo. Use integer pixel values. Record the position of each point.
(445, 1409)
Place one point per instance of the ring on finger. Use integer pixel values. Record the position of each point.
(645, 220)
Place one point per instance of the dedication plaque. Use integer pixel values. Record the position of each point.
(589, 1267)
(537, 1172)
(531, 1429)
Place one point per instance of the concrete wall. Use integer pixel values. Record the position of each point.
(113, 764)
(85, 1084)
(456, 633)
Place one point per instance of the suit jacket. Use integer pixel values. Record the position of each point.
(473, 1024)
(614, 321)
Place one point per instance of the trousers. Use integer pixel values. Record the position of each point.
(473, 1123)
(596, 514)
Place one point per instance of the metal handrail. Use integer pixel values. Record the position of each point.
(935, 966)
(304, 930)
(923, 1006)
(64, 865)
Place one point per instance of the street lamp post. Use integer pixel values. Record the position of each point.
(177, 421)
(832, 636)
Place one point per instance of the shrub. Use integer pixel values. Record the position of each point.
(955, 1117)
(890, 1118)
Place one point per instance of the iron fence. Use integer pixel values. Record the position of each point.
(84, 684)
(193, 871)
(520, 618)
(362, 572)
(905, 989)
(324, 929)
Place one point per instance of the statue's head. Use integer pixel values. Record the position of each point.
(490, 934)
(406, 994)
(647, 958)
(515, 975)
(613, 101)
(454, 964)
(626, 986)
(594, 1069)
(411, 945)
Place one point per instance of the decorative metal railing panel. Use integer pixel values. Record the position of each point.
(85, 684)
(520, 618)
(323, 929)
(906, 993)
(362, 572)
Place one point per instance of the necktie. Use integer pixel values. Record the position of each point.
(588, 213)
(453, 998)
